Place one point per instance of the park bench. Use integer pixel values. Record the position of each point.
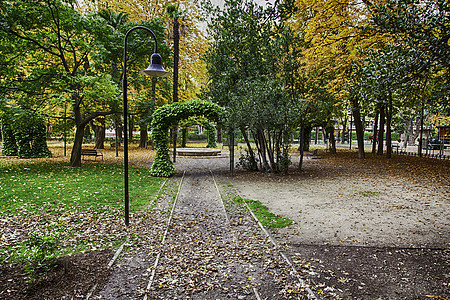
(395, 146)
(91, 152)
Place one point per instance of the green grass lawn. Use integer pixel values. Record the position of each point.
(49, 186)
(81, 207)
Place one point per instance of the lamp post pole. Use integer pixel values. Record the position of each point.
(156, 70)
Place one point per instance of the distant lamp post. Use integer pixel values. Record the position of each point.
(155, 69)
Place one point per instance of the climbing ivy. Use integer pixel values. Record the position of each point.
(168, 115)
(24, 134)
(9, 147)
(211, 133)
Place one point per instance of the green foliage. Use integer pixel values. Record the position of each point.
(24, 133)
(168, 115)
(198, 120)
(254, 73)
(39, 253)
(163, 167)
(9, 147)
(267, 218)
(421, 29)
(247, 162)
(211, 133)
(57, 57)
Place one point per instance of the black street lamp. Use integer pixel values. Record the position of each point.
(155, 69)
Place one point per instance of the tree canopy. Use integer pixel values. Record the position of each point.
(56, 56)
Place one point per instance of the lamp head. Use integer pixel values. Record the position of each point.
(155, 69)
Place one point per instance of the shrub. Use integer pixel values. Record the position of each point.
(40, 255)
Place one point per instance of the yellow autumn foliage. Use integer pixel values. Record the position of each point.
(192, 70)
(334, 35)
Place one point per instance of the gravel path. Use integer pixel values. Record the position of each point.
(217, 251)
(213, 249)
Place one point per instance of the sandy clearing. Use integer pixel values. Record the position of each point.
(391, 211)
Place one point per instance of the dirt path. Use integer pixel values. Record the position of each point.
(212, 250)
(364, 230)
(368, 229)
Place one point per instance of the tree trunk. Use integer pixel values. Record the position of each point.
(302, 143)
(417, 132)
(143, 137)
(262, 148)
(176, 59)
(99, 131)
(409, 134)
(388, 127)
(359, 127)
(381, 129)
(250, 150)
(331, 140)
(307, 129)
(344, 129)
(375, 130)
(184, 132)
(75, 157)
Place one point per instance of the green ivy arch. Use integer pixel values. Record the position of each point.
(168, 115)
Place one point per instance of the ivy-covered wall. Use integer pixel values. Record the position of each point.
(9, 147)
(24, 134)
(168, 115)
(211, 133)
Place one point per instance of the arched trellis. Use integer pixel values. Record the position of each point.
(168, 115)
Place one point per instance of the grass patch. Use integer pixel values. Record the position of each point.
(267, 218)
(82, 207)
(46, 187)
(369, 193)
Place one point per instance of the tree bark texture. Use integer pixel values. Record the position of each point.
(381, 129)
(250, 150)
(375, 130)
(143, 137)
(99, 132)
(388, 127)
(359, 127)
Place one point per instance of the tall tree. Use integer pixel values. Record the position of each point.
(192, 74)
(174, 13)
(251, 76)
(334, 34)
(139, 50)
(57, 43)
